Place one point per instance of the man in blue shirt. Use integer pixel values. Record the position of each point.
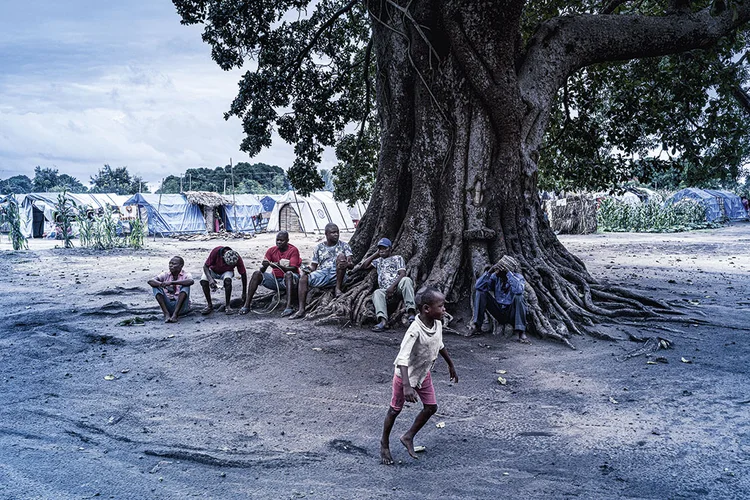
(507, 305)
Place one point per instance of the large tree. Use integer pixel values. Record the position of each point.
(117, 180)
(464, 92)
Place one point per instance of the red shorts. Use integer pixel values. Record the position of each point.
(426, 393)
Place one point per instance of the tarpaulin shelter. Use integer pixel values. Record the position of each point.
(38, 210)
(241, 214)
(168, 214)
(309, 214)
(732, 204)
(714, 209)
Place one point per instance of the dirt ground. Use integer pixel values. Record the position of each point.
(264, 407)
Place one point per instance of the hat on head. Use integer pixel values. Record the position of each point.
(231, 257)
(384, 242)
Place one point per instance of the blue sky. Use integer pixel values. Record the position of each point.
(84, 83)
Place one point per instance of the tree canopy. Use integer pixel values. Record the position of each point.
(50, 180)
(117, 180)
(248, 178)
(675, 119)
(16, 185)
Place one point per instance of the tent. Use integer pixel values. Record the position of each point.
(269, 200)
(309, 214)
(731, 204)
(38, 210)
(714, 210)
(357, 211)
(241, 215)
(168, 214)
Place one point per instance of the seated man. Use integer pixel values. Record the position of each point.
(172, 290)
(392, 282)
(285, 261)
(220, 265)
(331, 259)
(507, 306)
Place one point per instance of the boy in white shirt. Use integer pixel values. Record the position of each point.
(422, 343)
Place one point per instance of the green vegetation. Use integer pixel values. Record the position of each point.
(652, 217)
(255, 178)
(117, 180)
(65, 209)
(99, 231)
(13, 217)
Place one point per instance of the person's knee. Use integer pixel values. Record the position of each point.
(227, 282)
(257, 276)
(392, 412)
(430, 409)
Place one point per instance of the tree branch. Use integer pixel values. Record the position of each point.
(565, 44)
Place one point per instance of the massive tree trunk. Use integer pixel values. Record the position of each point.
(463, 108)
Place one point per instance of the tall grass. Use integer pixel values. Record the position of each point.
(617, 216)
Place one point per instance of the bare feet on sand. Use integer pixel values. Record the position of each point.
(409, 445)
(522, 338)
(385, 454)
(171, 319)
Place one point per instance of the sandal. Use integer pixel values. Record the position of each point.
(244, 310)
(287, 312)
(207, 310)
(377, 328)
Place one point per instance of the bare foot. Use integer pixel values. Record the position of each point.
(297, 315)
(385, 455)
(207, 310)
(228, 310)
(173, 319)
(522, 338)
(337, 292)
(409, 445)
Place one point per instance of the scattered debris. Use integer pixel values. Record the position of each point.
(440, 425)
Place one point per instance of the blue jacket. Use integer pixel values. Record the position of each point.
(504, 292)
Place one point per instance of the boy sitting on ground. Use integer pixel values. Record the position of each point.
(392, 283)
(422, 343)
(172, 290)
(220, 265)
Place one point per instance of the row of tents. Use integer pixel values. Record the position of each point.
(198, 212)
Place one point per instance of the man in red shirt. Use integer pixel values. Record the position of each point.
(220, 265)
(284, 260)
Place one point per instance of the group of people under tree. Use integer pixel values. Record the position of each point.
(499, 291)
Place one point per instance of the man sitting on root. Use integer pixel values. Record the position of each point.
(284, 260)
(220, 265)
(330, 260)
(508, 306)
(392, 283)
(172, 290)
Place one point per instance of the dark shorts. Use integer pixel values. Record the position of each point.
(172, 303)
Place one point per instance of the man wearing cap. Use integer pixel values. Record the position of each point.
(392, 283)
(220, 265)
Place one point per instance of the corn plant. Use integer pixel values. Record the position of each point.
(137, 234)
(65, 208)
(614, 215)
(85, 229)
(13, 216)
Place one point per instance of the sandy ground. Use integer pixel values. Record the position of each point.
(239, 407)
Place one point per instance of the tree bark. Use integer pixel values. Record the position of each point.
(463, 109)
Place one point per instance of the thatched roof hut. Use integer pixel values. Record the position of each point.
(207, 198)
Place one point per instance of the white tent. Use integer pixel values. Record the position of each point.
(38, 210)
(309, 214)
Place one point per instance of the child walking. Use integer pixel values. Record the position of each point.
(422, 343)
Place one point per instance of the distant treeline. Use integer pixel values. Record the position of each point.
(256, 178)
(247, 178)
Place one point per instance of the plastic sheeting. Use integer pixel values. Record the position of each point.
(239, 215)
(169, 214)
(733, 208)
(713, 208)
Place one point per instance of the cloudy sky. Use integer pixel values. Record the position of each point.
(89, 82)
